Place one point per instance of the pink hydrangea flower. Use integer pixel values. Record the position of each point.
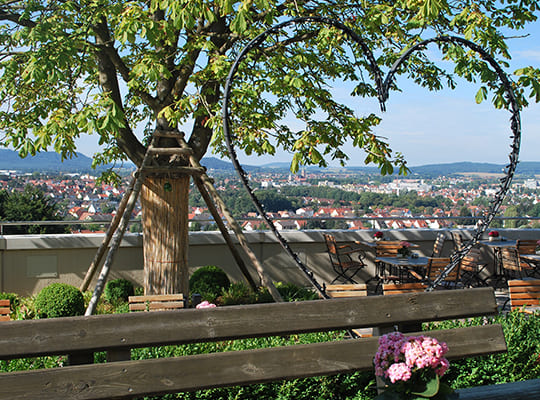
(399, 372)
(205, 304)
(398, 356)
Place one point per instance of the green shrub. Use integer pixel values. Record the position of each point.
(118, 290)
(521, 362)
(237, 293)
(209, 282)
(59, 300)
(292, 292)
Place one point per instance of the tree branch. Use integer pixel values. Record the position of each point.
(126, 139)
(16, 18)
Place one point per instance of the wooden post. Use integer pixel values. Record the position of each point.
(110, 232)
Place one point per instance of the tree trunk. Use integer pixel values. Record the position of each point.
(165, 228)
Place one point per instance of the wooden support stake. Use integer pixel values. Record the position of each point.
(110, 232)
(237, 229)
(119, 234)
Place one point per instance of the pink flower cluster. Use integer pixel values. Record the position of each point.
(205, 304)
(398, 356)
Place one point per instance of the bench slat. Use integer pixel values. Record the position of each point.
(102, 332)
(156, 297)
(169, 375)
(170, 305)
(5, 309)
(507, 391)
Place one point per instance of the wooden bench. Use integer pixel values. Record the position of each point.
(156, 302)
(123, 378)
(346, 290)
(400, 288)
(5, 310)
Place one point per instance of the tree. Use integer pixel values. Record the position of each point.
(29, 205)
(123, 69)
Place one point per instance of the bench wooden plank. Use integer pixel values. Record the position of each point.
(398, 288)
(170, 375)
(156, 302)
(103, 332)
(347, 290)
(523, 390)
(5, 310)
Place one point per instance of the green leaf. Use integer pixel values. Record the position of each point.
(481, 95)
(432, 387)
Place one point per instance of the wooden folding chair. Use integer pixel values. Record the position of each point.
(458, 241)
(513, 266)
(526, 246)
(438, 245)
(341, 260)
(386, 249)
(435, 268)
(471, 269)
(524, 295)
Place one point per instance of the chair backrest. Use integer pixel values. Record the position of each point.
(526, 246)
(332, 249)
(437, 265)
(524, 293)
(347, 290)
(438, 245)
(331, 244)
(5, 310)
(387, 248)
(510, 259)
(398, 288)
(458, 241)
(470, 261)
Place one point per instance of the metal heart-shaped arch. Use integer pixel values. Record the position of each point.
(383, 88)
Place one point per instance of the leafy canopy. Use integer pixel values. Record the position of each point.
(116, 68)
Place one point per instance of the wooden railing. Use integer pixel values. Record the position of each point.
(123, 378)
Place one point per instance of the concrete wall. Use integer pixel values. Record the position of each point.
(29, 263)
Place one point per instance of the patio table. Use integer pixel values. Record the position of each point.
(412, 266)
(497, 246)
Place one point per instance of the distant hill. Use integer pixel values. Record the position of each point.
(523, 168)
(50, 162)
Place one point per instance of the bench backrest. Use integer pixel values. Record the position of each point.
(156, 302)
(5, 310)
(400, 288)
(118, 333)
(347, 290)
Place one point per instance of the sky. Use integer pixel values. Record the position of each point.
(437, 127)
